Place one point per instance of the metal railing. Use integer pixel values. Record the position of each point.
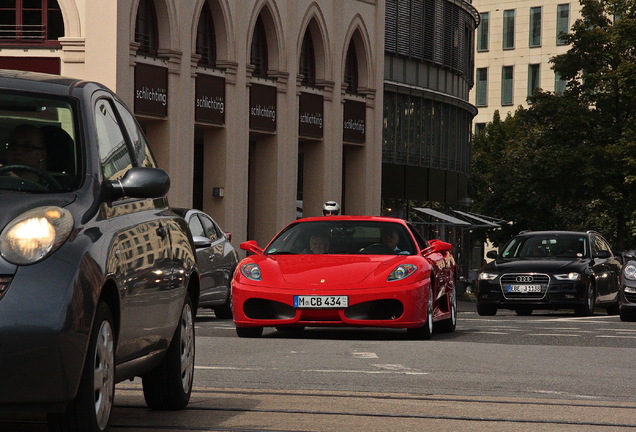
(22, 33)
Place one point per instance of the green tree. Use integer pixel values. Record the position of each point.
(569, 161)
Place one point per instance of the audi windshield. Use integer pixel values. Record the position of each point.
(552, 246)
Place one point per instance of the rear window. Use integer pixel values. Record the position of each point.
(38, 144)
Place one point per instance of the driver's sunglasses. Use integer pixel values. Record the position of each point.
(330, 213)
(27, 147)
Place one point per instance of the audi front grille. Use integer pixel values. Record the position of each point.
(526, 283)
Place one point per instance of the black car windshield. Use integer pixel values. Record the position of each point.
(343, 237)
(38, 151)
(546, 246)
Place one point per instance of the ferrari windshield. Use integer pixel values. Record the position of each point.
(547, 246)
(38, 151)
(343, 237)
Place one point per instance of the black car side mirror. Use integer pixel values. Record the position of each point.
(603, 254)
(139, 182)
(492, 254)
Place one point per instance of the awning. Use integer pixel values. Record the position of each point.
(484, 223)
(450, 220)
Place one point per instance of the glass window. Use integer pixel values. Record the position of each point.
(479, 128)
(559, 84)
(146, 28)
(142, 151)
(30, 22)
(483, 32)
(258, 53)
(195, 227)
(481, 95)
(308, 61)
(563, 22)
(509, 29)
(113, 151)
(506, 85)
(206, 39)
(351, 69)
(210, 229)
(534, 78)
(535, 26)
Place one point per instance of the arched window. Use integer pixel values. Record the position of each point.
(351, 70)
(258, 53)
(308, 61)
(206, 40)
(146, 28)
(28, 22)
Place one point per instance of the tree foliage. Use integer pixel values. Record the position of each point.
(569, 160)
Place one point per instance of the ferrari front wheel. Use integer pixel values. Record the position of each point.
(249, 332)
(424, 332)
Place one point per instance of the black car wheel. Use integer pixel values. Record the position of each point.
(249, 332)
(450, 324)
(486, 310)
(169, 385)
(628, 315)
(90, 410)
(424, 332)
(224, 311)
(587, 308)
(524, 311)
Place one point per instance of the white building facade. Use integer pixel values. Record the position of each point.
(250, 105)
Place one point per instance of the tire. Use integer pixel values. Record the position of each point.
(628, 315)
(224, 311)
(450, 324)
(91, 408)
(524, 311)
(587, 308)
(486, 310)
(169, 385)
(249, 332)
(425, 332)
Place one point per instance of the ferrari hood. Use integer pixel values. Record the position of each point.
(342, 270)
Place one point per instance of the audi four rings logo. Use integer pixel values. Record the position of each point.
(524, 279)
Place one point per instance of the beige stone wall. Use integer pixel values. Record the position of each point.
(522, 55)
(99, 45)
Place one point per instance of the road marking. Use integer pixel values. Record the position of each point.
(232, 368)
(364, 354)
(553, 334)
(349, 371)
(617, 336)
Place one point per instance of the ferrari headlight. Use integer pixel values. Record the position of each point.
(629, 271)
(34, 235)
(402, 271)
(568, 276)
(487, 276)
(251, 271)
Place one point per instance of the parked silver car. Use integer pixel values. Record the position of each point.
(216, 258)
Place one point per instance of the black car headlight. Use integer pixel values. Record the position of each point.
(573, 276)
(629, 271)
(485, 276)
(35, 234)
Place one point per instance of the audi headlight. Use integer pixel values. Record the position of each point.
(251, 271)
(568, 276)
(34, 235)
(487, 276)
(629, 271)
(402, 271)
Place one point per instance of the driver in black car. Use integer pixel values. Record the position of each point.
(26, 147)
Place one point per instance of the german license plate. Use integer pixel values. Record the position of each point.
(524, 288)
(321, 302)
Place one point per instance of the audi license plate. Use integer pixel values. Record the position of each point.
(321, 302)
(524, 288)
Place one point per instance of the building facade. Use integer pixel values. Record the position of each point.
(428, 71)
(514, 43)
(251, 106)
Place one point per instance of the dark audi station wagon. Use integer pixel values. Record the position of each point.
(550, 270)
(98, 277)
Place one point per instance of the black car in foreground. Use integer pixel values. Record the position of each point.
(98, 277)
(550, 270)
(627, 295)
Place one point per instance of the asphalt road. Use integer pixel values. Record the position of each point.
(546, 372)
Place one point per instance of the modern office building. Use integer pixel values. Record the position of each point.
(428, 74)
(250, 105)
(514, 43)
